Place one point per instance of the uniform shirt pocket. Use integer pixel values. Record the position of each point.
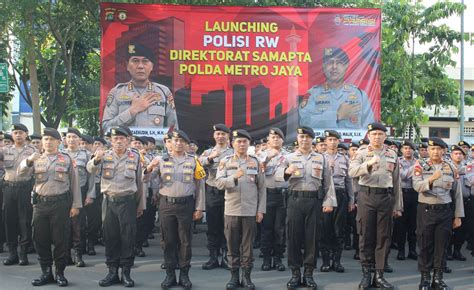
(299, 172)
(41, 174)
(60, 173)
(130, 171)
(187, 175)
(448, 182)
(156, 110)
(317, 170)
(8, 160)
(108, 170)
(390, 165)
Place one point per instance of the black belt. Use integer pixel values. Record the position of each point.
(375, 190)
(53, 198)
(275, 190)
(307, 194)
(119, 199)
(435, 206)
(18, 183)
(177, 200)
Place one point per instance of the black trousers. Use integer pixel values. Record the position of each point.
(374, 225)
(78, 226)
(2, 224)
(240, 232)
(94, 217)
(466, 230)
(120, 227)
(273, 225)
(215, 218)
(433, 230)
(176, 230)
(149, 215)
(51, 227)
(334, 224)
(304, 224)
(17, 212)
(406, 224)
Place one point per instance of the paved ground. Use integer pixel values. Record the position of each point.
(148, 275)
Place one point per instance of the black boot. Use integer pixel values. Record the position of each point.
(234, 279)
(45, 278)
(356, 255)
(213, 261)
(12, 256)
(23, 260)
(111, 278)
(425, 281)
(447, 270)
(380, 282)
(91, 249)
(224, 260)
(449, 253)
(295, 280)
(308, 278)
(326, 266)
(60, 279)
(401, 254)
(78, 259)
(336, 262)
(457, 255)
(246, 281)
(267, 264)
(387, 268)
(145, 244)
(412, 252)
(126, 279)
(170, 279)
(366, 280)
(139, 252)
(184, 278)
(278, 264)
(438, 283)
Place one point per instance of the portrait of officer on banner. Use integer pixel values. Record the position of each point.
(335, 104)
(140, 103)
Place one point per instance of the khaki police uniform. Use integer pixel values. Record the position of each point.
(161, 114)
(17, 209)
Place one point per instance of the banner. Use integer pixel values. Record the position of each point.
(253, 68)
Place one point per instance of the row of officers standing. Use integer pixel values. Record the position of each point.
(311, 192)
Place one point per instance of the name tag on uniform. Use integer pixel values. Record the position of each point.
(252, 171)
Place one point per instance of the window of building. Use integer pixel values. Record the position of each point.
(468, 131)
(439, 132)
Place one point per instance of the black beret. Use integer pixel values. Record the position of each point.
(240, 133)
(151, 140)
(277, 131)
(435, 141)
(108, 134)
(129, 132)
(295, 143)
(119, 131)
(7, 136)
(221, 127)
(464, 143)
(459, 148)
(181, 134)
(51, 132)
(88, 139)
(167, 136)
(193, 142)
(257, 142)
(376, 126)
(137, 49)
(35, 137)
(354, 144)
(388, 142)
(19, 126)
(320, 139)
(364, 141)
(343, 146)
(74, 131)
(335, 52)
(140, 139)
(423, 145)
(101, 140)
(332, 133)
(306, 130)
(409, 143)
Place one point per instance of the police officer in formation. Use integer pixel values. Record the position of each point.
(379, 198)
(182, 200)
(439, 192)
(273, 234)
(310, 194)
(240, 176)
(17, 208)
(56, 197)
(334, 223)
(210, 159)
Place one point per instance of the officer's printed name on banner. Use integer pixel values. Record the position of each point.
(157, 133)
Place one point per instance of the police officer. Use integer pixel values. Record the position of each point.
(335, 104)
(87, 143)
(140, 102)
(310, 193)
(80, 158)
(56, 197)
(36, 142)
(320, 146)
(466, 147)
(7, 139)
(436, 182)
(2, 174)
(182, 200)
(124, 201)
(273, 234)
(150, 212)
(240, 176)
(210, 159)
(423, 150)
(406, 224)
(334, 223)
(16, 196)
(351, 230)
(379, 198)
